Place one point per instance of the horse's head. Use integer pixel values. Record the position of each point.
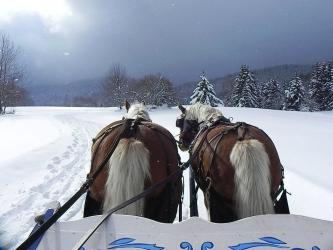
(137, 111)
(188, 126)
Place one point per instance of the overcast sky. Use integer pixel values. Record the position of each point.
(66, 40)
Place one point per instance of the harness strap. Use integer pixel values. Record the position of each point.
(107, 130)
(148, 191)
(206, 129)
(241, 131)
(125, 133)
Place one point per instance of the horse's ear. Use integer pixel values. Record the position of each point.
(182, 109)
(127, 105)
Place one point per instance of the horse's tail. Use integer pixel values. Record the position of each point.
(252, 178)
(128, 169)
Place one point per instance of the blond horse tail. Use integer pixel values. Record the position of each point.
(128, 169)
(252, 179)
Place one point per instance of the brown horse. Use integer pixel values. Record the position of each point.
(236, 165)
(144, 157)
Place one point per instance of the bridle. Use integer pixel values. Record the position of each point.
(187, 126)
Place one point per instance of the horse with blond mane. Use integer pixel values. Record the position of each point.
(236, 165)
(145, 156)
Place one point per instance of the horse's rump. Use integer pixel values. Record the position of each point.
(162, 159)
(128, 170)
(213, 162)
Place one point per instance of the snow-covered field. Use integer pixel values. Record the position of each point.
(45, 153)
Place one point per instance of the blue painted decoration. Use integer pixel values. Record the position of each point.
(188, 246)
(270, 242)
(207, 245)
(266, 242)
(129, 243)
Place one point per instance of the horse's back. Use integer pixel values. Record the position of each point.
(164, 157)
(163, 160)
(100, 148)
(214, 159)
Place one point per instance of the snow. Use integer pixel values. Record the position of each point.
(45, 155)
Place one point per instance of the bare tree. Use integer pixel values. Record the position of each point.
(115, 86)
(10, 73)
(155, 90)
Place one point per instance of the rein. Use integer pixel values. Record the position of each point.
(148, 191)
(143, 194)
(125, 132)
(128, 128)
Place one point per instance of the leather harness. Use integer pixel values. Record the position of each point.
(204, 182)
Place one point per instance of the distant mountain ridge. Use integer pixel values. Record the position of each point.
(60, 95)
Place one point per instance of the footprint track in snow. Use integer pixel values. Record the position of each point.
(56, 160)
(65, 173)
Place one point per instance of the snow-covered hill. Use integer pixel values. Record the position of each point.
(45, 155)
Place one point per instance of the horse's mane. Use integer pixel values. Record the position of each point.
(138, 111)
(202, 113)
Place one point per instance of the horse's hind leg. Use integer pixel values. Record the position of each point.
(281, 206)
(91, 206)
(164, 207)
(220, 210)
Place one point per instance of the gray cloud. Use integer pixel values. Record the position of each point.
(179, 38)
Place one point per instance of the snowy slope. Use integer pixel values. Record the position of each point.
(45, 155)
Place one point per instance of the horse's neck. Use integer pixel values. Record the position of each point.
(203, 113)
(208, 117)
(138, 113)
(140, 117)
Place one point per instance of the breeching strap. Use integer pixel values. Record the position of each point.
(90, 179)
(148, 191)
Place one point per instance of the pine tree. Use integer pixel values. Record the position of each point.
(245, 93)
(330, 104)
(239, 83)
(314, 87)
(294, 95)
(320, 89)
(327, 86)
(271, 95)
(205, 93)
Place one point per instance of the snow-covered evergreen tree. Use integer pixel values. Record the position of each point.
(328, 86)
(315, 87)
(245, 92)
(294, 95)
(239, 83)
(271, 95)
(320, 89)
(205, 93)
(330, 104)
